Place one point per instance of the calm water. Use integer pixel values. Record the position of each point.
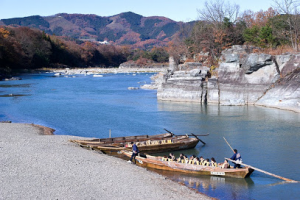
(88, 106)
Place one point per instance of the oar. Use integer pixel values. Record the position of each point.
(260, 170)
(197, 138)
(169, 131)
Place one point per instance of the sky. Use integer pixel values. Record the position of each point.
(177, 10)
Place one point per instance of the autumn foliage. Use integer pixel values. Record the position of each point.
(23, 47)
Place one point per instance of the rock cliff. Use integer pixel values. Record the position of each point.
(243, 78)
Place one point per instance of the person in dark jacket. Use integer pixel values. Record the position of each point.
(237, 157)
(135, 152)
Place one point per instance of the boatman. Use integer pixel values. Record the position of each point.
(237, 157)
(135, 152)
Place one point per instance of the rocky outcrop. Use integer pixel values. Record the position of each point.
(285, 92)
(184, 85)
(244, 78)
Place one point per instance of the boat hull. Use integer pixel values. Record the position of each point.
(184, 144)
(157, 163)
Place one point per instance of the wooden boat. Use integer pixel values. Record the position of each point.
(157, 162)
(127, 139)
(146, 144)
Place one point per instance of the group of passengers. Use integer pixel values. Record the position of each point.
(194, 160)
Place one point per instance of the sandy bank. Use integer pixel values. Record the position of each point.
(35, 166)
(89, 71)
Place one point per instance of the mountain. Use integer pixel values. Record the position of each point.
(123, 29)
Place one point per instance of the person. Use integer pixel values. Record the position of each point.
(191, 159)
(196, 161)
(225, 164)
(180, 158)
(237, 157)
(135, 152)
(206, 162)
(201, 160)
(171, 157)
(213, 162)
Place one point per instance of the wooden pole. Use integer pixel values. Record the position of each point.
(228, 144)
(194, 134)
(260, 170)
(198, 138)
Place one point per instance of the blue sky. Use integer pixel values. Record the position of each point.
(178, 10)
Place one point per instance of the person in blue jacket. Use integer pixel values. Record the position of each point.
(135, 152)
(237, 157)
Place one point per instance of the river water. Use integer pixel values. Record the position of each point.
(91, 106)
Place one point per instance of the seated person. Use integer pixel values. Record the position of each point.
(180, 158)
(171, 157)
(201, 160)
(196, 161)
(213, 162)
(186, 159)
(191, 159)
(225, 164)
(164, 158)
(206, 162)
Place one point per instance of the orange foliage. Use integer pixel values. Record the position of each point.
(259, 18)
(4, 33)
(220, 37)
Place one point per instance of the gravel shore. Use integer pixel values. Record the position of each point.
(37, 166)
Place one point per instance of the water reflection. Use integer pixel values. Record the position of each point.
(14, 95)
(219, 187)
(16, 86)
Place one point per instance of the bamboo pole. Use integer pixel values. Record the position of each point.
(228, 144)
(265, 172)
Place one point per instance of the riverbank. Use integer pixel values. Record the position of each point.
(91, 71)
(35, 166)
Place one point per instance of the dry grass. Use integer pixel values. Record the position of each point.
(278, 50)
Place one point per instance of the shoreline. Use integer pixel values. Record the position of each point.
(36, 165)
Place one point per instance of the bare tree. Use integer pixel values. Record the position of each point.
(290, 8)
(212, 33)
(216, 10)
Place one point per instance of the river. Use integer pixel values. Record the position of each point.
(91, 106)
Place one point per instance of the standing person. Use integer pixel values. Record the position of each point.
(135, 152)
(237, 157)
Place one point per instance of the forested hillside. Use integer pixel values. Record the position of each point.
(25, 48)
(122, 29)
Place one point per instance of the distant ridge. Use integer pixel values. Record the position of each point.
(126, 28)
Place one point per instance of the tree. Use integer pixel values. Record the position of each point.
(216, 29)
(216, 11)
(290, 9)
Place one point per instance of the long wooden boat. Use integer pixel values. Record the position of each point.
(157, 162)
(152, 144)
(127, 139)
